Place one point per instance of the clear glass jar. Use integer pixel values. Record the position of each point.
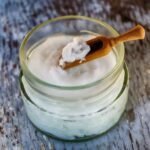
(77, 112)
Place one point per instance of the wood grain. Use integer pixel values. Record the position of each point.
(17, 17)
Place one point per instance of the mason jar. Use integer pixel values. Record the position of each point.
(73, 112)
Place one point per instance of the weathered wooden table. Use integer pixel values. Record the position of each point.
(17, 17)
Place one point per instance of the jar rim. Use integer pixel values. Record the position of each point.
(31, 76)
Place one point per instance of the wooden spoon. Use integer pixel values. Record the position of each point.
(102, 45)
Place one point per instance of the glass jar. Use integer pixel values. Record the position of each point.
(74, 112)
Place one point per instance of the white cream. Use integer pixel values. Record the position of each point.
(44, 62)
(75, 50)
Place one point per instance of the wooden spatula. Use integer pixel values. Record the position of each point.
(102, 45)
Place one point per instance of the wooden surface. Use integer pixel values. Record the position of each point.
(17, 17)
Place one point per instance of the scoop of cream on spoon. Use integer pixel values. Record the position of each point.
(78, 51)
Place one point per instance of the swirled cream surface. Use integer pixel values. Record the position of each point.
(44, 60)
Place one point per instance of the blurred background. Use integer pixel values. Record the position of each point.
(17, 17)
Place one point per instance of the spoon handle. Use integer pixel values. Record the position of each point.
(135, 33)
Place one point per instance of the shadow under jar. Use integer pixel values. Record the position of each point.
(73, 112)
